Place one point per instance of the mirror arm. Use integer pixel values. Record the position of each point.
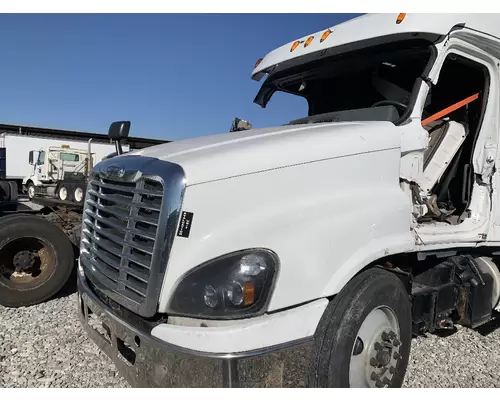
(118, 147)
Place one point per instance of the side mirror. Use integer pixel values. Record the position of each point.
(240, 125)
(119, 130)
(31, 157)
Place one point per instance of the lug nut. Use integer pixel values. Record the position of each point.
(377, 346)
(392, 335)
(396, 342)
(373, 362)
(373, 376)
(385, 336)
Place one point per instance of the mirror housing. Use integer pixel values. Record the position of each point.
(119, 130)
(240, 125)
(30, 157)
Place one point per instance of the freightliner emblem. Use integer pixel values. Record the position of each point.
(116, 171)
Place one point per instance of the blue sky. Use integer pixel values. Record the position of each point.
(172, 76)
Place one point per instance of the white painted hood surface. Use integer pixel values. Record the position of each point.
(225, 155)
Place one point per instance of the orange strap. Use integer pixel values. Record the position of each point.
(450, 109)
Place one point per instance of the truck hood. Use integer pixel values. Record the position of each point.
(225, 155)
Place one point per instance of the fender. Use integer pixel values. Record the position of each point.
(325, 220)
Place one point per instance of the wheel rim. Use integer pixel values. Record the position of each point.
(26, 263)
(63, 193)
(78, 194)
(31, 191)
(376, 351)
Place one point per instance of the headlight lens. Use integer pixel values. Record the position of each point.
(233, 286)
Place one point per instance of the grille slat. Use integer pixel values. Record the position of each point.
(109, 210)
(111, 247)
(104, 269)
(147, 235)
(118, 199)
(107, 221)
(120, 229)
(116, 239)
(112, 262)
(137, 286)
(103, 278)
(118, 188)
(146, 206)
(143, 262)
(141, 276)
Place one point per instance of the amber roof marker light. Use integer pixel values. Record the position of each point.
(258, 62)
(295, 45)
(400, 18)
(325, 35)
(308, 41)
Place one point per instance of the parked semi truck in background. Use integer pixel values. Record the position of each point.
(309, 253)
(25, 161)
(39, 239)
(61, 171)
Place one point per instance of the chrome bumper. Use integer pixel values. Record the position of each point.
(145, 361)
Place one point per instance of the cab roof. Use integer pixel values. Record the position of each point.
(373, 26)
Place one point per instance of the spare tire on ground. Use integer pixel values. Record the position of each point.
(36, 260)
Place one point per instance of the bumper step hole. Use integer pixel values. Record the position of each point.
(100, 327)
(108, 331)
(137, 341)
(125, 352)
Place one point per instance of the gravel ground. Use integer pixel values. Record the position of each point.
(44, 346)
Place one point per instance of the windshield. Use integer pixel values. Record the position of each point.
(41, 158)
(375, 83)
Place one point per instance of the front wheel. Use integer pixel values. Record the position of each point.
(364, 336)
(31, 190)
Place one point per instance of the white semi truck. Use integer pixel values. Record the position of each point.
(25, 162)
(52, 163)
(309, 253)
(61, 171)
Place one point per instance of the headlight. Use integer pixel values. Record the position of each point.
(236, 285)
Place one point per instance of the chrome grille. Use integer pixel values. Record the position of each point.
(126, 224)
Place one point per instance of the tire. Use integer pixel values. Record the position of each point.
(46, 274)
(13, 190)
(4, 191)
(79, 194)
(374, 293)
(63, 192)
(30, 191)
